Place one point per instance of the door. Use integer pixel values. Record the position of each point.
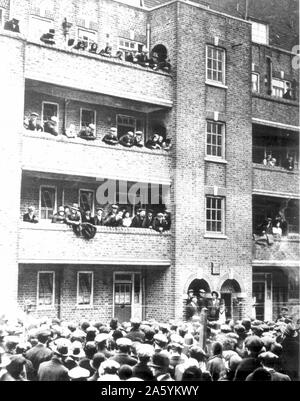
(128, 296)
(259, 294)
(262, 291)
(226, 296)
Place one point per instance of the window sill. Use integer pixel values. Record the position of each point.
(215, 236)
(215, 160)
(217, 84)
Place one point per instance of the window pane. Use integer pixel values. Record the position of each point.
(49, 110)
(45, 289)
(87, 117)
(47, 202)
(86, 200)
(84, 288)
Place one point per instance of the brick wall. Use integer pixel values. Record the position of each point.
(11, 105)
(196, 28)
(276, 110)
(102, 309)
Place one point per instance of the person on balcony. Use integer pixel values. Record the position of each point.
(112, 137)
(107, 52)
(153, 142)
(269, 161)
(59, 217)
(32, 123)
(71, 131)
(166, 145)
(12, 25)
(167, 216)
(149, 219)
(138, 139)
(127, 220)
(289, 163)
(159, 223)
(48, 38)
(81, 45)
(94, 48)
(289, 93)
(30, 217)
(127, 140)
(139, 221)
(141, 57)
(87, 217)
(88, 133)
(50, 126)
(98, 219)
(110, 219)
(74, 219)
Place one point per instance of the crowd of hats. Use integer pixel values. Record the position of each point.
(146, 350)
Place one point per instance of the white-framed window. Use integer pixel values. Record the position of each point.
(260, 33)
(87, 36)
(45, 289)
(215, 64)
(49, 109)
(215, 214)
(87, 117)
(38, 26)
(215, 139)
(279, 87)
(87, 199)
(255, 82)
(85, 288)
(48, 202)
(43, 8)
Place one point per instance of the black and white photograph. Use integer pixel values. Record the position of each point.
(149, 209)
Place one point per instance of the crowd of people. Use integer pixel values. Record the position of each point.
(114, 216)
(270, 229)
(129, 140)
(59, 350)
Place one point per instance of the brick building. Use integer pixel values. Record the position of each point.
(223, 106)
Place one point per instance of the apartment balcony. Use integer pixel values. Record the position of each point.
(55, 243)
(97, 74)
(42, 152)
(284, 251)
(275, 180)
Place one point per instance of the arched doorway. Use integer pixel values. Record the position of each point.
(229, 293)
(199, 284)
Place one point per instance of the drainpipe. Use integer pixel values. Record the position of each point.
(148, 32)
(247, 9)
(269, 75)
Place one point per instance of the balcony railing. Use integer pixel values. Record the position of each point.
(55, 243)
(61, 155)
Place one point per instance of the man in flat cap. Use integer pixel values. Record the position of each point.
(32, 123)
(101, 344)
(30, 216)
(98, 219)
(269, 361)
(112, 137)
(139, 220)
(54, 370)
(138, 139)
(88, 133)
(50, 126)
(159, 223)
(122, 355)
(12, 25)
(59, 217)
(135, 333)
(142, 370)
(40, 352)
(78, 374)
(127, 140)
(111, 219)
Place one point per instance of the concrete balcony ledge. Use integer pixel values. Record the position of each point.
(57, 244)
(276, 99)
(275, 181)
(284, 249)
(277, 169)
(59, 155)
